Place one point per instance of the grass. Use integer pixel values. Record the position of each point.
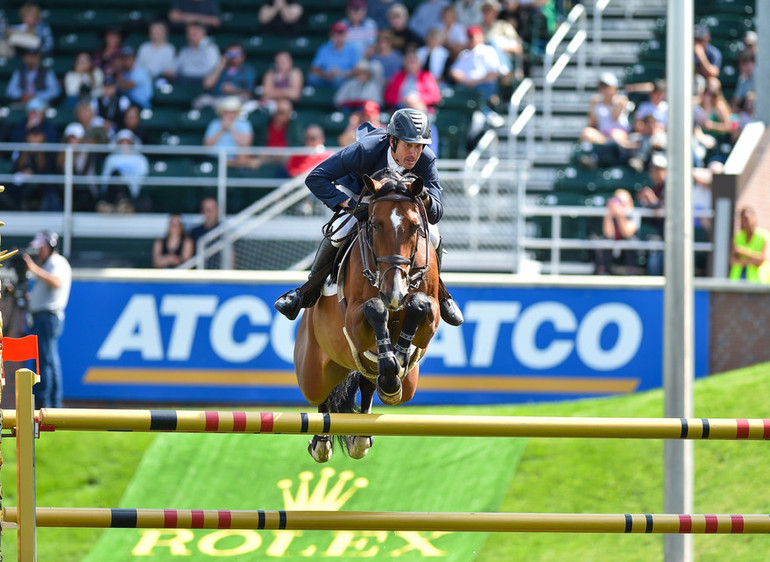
(549, 475)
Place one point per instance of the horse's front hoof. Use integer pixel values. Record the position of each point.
(358, 445)
(389, 390)
(320, 448)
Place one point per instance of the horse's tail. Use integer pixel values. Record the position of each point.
(342, 400)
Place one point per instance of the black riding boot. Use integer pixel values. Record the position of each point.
(450, 312)
(289, 304)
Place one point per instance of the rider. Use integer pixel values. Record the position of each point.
(337, 182)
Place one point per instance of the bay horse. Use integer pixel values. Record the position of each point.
(372, 334)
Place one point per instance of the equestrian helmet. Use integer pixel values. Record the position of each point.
(410, 125)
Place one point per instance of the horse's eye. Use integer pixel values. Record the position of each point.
(376, 226)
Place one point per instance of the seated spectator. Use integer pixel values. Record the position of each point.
(425, 14)
(282, 130)
(712, 114)
(468, 12)
(229, 130)
(478, 67)
(32, 80)
(413, 87)
(34, 117)
(283, 80)
(388, 59)
(334, 60)
(200, 12)
(750, 40)
(398, 21)
(175, 248)
(652, 197)
(748, 258)
(746, 114)
(708, 59)
(656, 105)
(362, 30)
(32, 32)
(83, 81)
(370, 111)
(619, 223)
(378, 11)
(83, 164)
(132, 121)
(454, 33)
(434, 57)
(196, 59)
(232, 76)
(133, 81)
(608, 115)
(28, 194)
(210, 213)
(503, 37)
(156, 55)
(649, 139)
(362, 86)
(106, 56)
(281, 17)
(106, 111)
(300, 163)
(124, 171)
(534, 20)
(745, 84)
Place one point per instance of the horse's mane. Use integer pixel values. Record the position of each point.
(393, 180)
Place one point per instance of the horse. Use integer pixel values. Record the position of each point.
(387, 291)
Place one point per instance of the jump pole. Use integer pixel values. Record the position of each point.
(75, 419)
(397, 521)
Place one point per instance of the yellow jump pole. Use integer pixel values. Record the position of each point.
(396, 424)
(25, 468)
(398, 521)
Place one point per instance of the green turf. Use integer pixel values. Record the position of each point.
(426, 474)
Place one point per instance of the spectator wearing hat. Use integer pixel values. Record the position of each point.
(363, 85)
(231, 77)
(32, 80)
(370, 111)
(201, 12)
(334, 60)
(32, 32)
(281, 17)
(750, 40)
(232, 132)
(106, 56)
(362, 30)
(124, 171)
(133, 81)
(425, 16)
(156, 55)
(48, 297)
(83, 164)
(34, 116)
(608, 114)
(708, 59)
(478, 67)
(196, 59)
(283, 80)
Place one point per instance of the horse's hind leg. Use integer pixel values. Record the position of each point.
(388, 381)
(358, 445)
(320, 446)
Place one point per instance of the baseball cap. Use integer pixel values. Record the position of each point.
(127, 51)
(338, 27)
(356, 4)
(609, 79)
(125, 134)
(44, 238)
(233, 52)
(701, 31)
(74, 130)
(494, 4)
(370, 107)
(474, 30)
(659, 160)
(35, 104)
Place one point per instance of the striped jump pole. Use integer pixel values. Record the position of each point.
(397, 521)
(394, 424)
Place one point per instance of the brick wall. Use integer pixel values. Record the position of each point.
(740, 330)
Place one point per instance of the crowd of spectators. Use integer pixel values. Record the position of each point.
(377, 54)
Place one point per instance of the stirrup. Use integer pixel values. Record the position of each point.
(289, 304)
(450, 312)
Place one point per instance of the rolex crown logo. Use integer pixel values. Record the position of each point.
(325, 496)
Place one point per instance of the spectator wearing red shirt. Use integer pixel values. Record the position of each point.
(300, 163)
(413, 86)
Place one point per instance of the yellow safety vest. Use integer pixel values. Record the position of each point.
(756, 244)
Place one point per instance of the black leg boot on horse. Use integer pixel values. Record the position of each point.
(450, 312)
(289, 304)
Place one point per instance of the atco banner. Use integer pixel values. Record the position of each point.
(178, 342)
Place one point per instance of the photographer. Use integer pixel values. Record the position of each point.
(52, 278)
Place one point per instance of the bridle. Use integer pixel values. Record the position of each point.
(396, 191)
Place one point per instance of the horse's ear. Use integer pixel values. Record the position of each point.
(370, 184)
(417, 186)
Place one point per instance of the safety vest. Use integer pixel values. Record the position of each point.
(756, 244)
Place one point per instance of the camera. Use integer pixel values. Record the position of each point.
(13, 277)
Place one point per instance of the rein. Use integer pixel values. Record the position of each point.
(413, 273)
